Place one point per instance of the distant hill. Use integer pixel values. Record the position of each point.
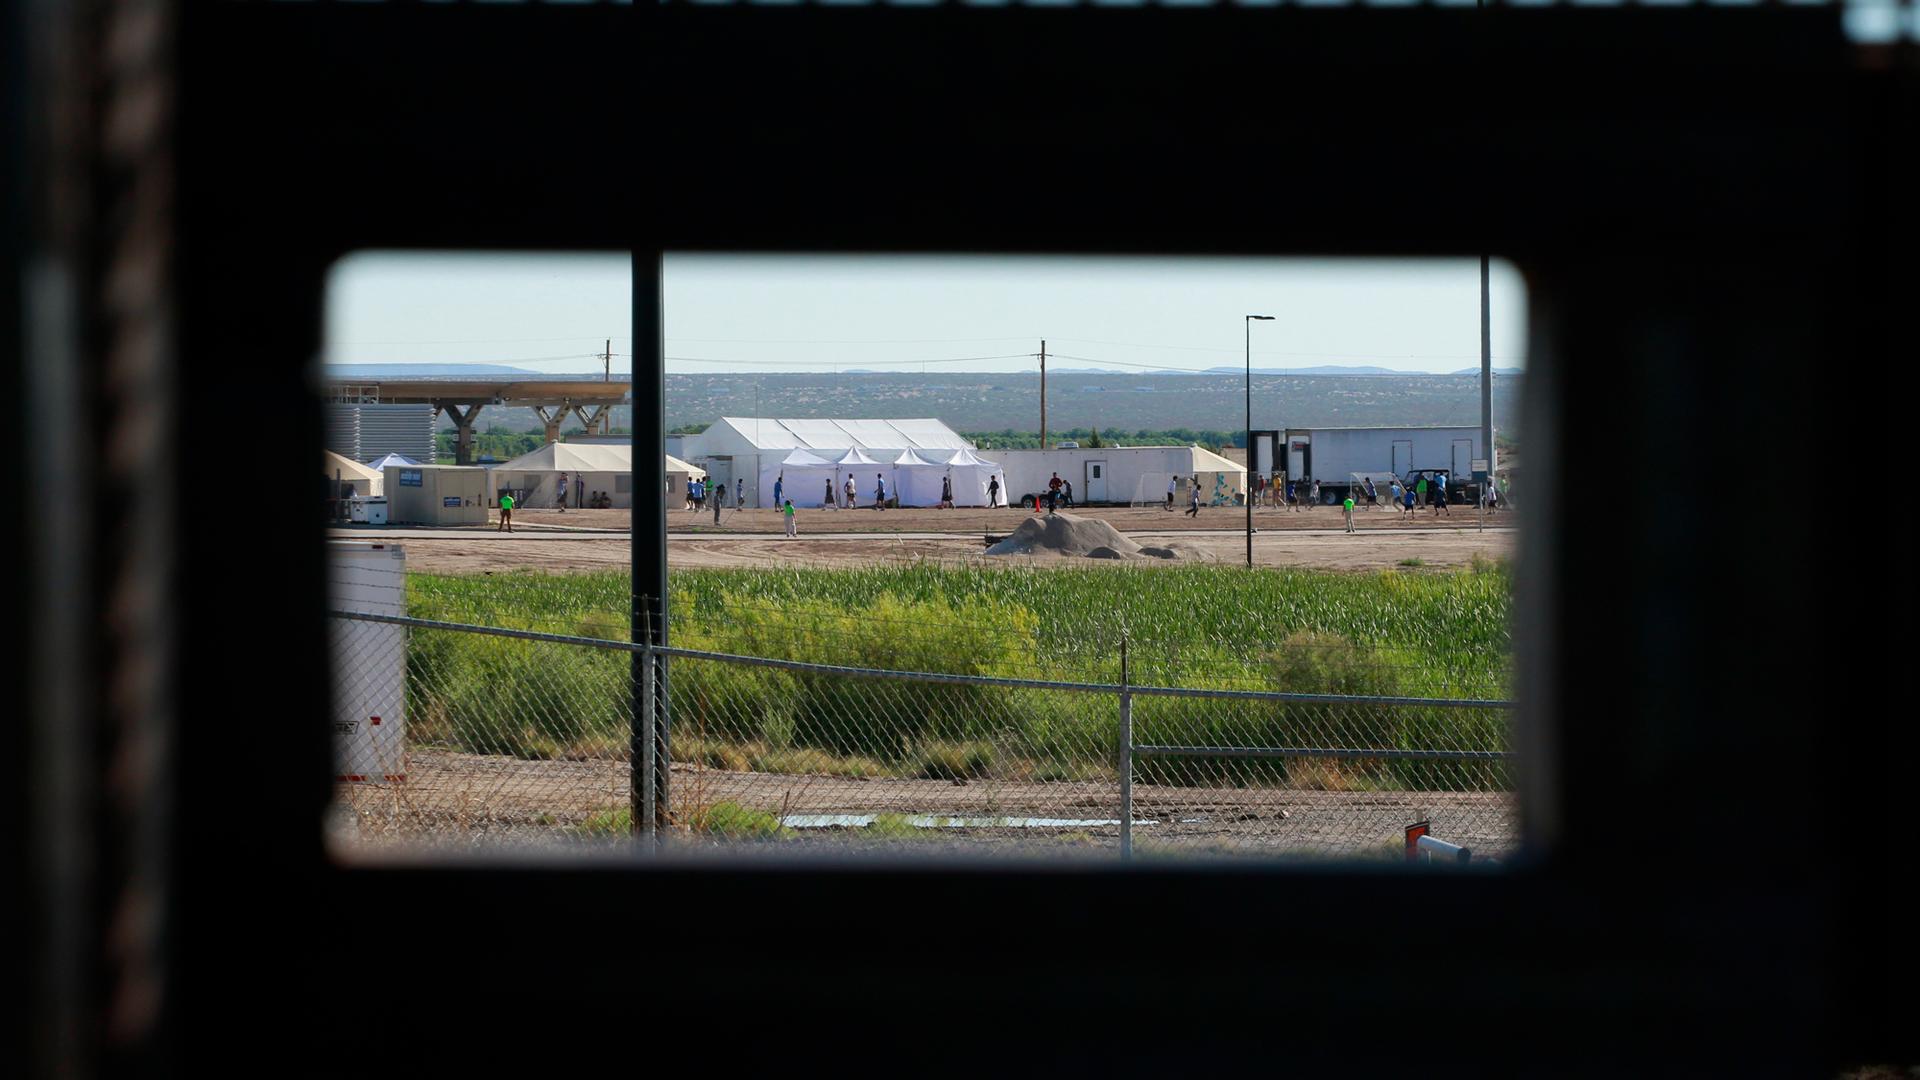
(1496, 371)
(993, 401)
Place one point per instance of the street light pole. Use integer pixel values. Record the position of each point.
(1246, 494)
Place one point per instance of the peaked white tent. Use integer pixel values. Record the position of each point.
(919, 479)
(805, 477)
(971, 475)
(380, 466)
(363, 480)
(862, 468)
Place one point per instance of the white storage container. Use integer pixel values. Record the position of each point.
(376, 511)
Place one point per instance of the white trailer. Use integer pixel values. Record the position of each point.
(1334, 456)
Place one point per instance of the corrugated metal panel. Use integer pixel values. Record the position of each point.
(396, 429)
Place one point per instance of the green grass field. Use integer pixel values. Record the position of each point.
(1389, 633)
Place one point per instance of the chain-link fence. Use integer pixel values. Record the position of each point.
(850, 731)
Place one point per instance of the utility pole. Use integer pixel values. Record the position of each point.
(608, 357)
(1043, 395)
(1486, 377)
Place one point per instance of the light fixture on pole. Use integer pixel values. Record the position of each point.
(1246, 494)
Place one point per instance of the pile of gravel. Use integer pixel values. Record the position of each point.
(1066, 534)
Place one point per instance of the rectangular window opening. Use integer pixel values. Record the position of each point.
(958, 558)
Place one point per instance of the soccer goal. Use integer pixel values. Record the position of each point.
(1151, 489)
(1382, 486)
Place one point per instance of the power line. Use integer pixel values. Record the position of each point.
(842, 341)
(831, 364)
(1303, 355)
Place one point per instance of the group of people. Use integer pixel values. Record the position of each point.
(701, 493)
(1059, 493)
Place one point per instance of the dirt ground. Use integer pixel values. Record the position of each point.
(475, 799)
(1321, 546)
(1002, 521)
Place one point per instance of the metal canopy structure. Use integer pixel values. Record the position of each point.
(463, 398)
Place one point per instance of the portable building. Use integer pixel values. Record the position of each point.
(1338, 457)
(1136, 475)
(437, 495)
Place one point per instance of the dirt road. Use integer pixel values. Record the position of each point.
(485, 551)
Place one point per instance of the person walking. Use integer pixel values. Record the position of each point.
(1067, 492)
(779, 485)
(993, 492)
(787, 509)
(739, 492)
(1293, 497)
(506, 514)
(563, 493)
(1440, 495)
(1409, 497)
(1193, 500)
(946, 493)
(826, 501)
(1172, 483)
(879, 491)
(1316, 494)
(1347, 505)
(852, 496)
(1373, 496)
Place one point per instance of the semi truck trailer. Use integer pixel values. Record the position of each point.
(1338, 456)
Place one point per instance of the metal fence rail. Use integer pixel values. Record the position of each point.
(518, 736)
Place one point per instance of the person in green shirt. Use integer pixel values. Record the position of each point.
(787, 509)
(1348, 507)
(506, 513)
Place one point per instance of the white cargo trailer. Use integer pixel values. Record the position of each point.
(1336, 456)
(369, 662)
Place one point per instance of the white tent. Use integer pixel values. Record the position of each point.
(735, 446)
(971, 474)
(919, 479)
(364, 481)
(534, 478)
(380, 466)
(863, 469)
(804, 477)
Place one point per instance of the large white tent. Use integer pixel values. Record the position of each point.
(804, 477)
(756, 447)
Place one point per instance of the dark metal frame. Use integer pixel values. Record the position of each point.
(1703, 203)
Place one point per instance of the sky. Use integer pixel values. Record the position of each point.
(555, 313)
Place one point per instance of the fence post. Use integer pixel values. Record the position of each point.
(1126, 758)
(643, 746)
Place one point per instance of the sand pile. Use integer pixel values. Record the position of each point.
(1065, 534)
